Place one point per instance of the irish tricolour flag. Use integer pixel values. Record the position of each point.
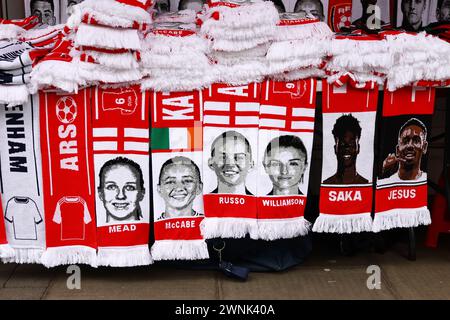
(177, 139)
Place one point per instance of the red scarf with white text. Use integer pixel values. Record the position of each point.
(349, 116)
(230, 140)
(121, 142)
(401, 195)
(67, 164)
(177, 175)
(286, 129)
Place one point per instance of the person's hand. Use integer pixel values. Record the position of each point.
(390, 165)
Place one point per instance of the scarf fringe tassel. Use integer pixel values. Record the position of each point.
(25, 256)
(180, 250)
(124, 257)
(343, 224)
(283, 229)
(53, 257)
(229, 228)
(401, 218)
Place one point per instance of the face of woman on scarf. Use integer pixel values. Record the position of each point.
(121, 192)
(232, 161)
(285, 166)
(179, 185)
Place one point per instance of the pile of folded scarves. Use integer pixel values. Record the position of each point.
(174, 56)
(102, 45)
(359, 60)
(21, 48)
(300, 48)
(239, 36)
(416, 57)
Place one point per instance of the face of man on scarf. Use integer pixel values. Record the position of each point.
(285, 166)
(179, 185)
(44, 11)
(121, 193)
(231, 160)
(412, 12)
(347, 149)
(411, 146)
(443, 11)
(309, 9)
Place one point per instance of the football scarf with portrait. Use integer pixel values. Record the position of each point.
(21, 181)
(69, 191)
(230, 141)
(5, 249)
(349, 116)
(121, 142)
(177, 157)
(286, 130)
(401, 193)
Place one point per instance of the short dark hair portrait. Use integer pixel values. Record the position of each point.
(231, 160)
(310, 8)
(347, 134)
(443, 11)
(285, 161)
(44, 10)
(412, 14)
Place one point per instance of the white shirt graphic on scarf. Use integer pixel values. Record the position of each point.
(23, 214)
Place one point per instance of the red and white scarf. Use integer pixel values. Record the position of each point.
(177, 176)
(12, 29)
(299, 49)
(349, 116)
(69, 189)
(5, 249)
(121, 141)
(401, 195)
(286, 129)
(57, 70)
(230, 141)
(21, 181)
(174, 59)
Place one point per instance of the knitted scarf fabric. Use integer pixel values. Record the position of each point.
(12, 29)
(177, 176)
(121, 141)
(348, 152)
(174, 59)
(21, 181)
(286, 129)
(5, 249)
(69, 190)
(401, 195)
(230, 140)
(299, 49)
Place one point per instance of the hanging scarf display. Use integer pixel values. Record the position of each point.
(401, 195)
(230, 140)
(177, 146)
(286, 129)
(121, 141)
(348, 152)
(5, 249)
(21, 181)
(69, 194)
